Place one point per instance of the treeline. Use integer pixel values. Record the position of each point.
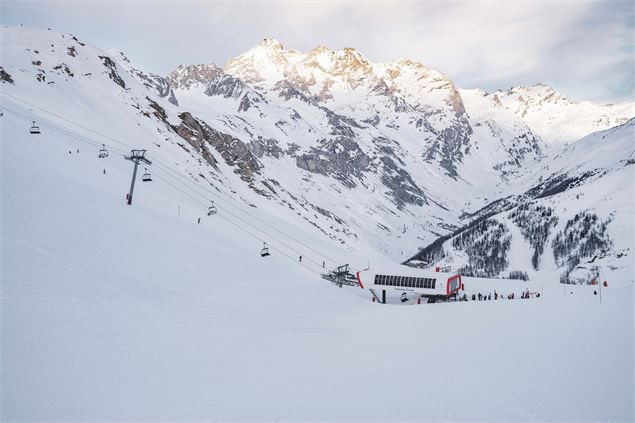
(486, 245)
(584, 236)
(535, 222)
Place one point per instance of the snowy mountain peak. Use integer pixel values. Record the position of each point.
(271, 43)
(557, 119)
(120, 57)
(186, 76)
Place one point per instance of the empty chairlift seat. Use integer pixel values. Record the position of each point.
(211, 210)
(265, 250)
(146, 176)
(34, 129)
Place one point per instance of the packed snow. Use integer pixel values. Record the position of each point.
(117, 312)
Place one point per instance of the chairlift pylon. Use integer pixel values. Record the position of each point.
(34, 129)
(211, 210)
(103, 153)
(265, 250)
(146, 176)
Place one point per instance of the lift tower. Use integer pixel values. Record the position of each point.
(136, 156)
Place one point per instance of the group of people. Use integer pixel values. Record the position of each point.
(488, 297)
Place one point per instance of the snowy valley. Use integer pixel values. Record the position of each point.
(164, 311)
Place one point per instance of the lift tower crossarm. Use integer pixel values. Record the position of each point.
(136, 156)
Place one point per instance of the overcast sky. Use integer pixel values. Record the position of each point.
(583, 48)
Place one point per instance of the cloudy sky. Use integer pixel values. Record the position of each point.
(583, 48)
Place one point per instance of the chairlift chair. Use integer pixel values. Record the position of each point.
(211, 210)
(265, 250)
(404, 297)
(34, 129)
(146, 176)
(103, 153)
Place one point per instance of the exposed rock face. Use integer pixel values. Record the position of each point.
(232, 150)
(194, 133)
(5, 77)
(287, 90)
(266, 147)
(226, 86)
(158, 84)
(401, 186)
(112, 71)
(340, 158)
(185, 77)
(449, 145)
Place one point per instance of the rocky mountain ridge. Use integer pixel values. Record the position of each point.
(384, 156)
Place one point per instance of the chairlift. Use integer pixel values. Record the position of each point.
(211, 210)
(103, 153)
(404, 297)
(146, 176)
(265, 250)
(34, 129)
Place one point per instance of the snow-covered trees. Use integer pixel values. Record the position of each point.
(535, 222)
(486, 244)
(584, 236)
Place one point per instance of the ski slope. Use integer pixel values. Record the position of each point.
(116, 312)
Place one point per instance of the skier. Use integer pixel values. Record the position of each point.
(495, 295)
(104, 171)
(480, 297)
(489, 297)
(322, 264)
(199, 220)
(473, 297)
(300, 259)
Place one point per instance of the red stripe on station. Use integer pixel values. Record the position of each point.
(359, 279)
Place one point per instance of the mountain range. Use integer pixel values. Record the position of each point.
(385, 159)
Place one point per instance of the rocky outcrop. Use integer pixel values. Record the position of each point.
(266, 147)
(155, 83)
(233, 151)
(184, 77)
(401, 187)
(449, 145)
(227, 86)
(340, 158)
(112, 71)
(5, 77)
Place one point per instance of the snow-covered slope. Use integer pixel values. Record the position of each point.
(559, 120)
(572, 217)
(117, 312)
(362, 154)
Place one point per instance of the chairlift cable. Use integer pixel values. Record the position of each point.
(178, 174)
(92, 142)
(258, 238)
